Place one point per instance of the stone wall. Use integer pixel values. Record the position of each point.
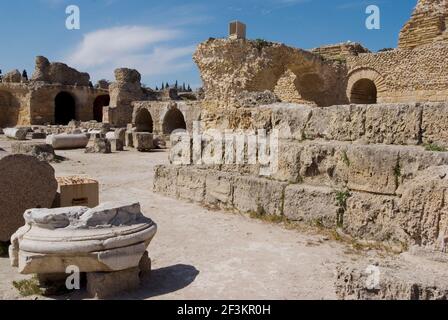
(428, 24)
(417, 75)
(230, 67)
(340, 50)
(376, 172)
(59, 73)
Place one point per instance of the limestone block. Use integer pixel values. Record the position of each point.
(219, 189)
(435, 124)
(25, 182)
(398, 280)
(98, 145)
(16, 133)
(191, 184)
(78, 191)
(165, 180)
(111, 237)
(414, 160)
(143, 141)
(42, 151)
(290, 119)
(258, 195)
(110, 135)
(342, 123)
(311, 204)
(289, 161)
(373, 168)
(36, 135)
(393, 124)
(116, 145)
(159, 142)
(324, 163)
(120, 134)
(423, 208)
(129, 139)
(373, 217)
(13, 76)
(103, 285)
(68, 141)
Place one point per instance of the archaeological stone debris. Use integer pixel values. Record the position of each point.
(337, 137)
(107, 242)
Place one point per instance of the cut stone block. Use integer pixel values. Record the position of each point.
(42, 151)
(98, 145)
(116, 145)
(258, 195)
(143, 141)
(25, 182)
(78, 191)
(129, 139)
(219, 189)
(103, 285)
(165, 180)
(191, 184)
(312, 205)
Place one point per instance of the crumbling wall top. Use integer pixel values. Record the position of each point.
(57, 72)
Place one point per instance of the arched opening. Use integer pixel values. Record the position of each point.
(174, 119)
(98, 105)
(9, 110)
(143, 121)
(310, 88)
(364, 92)
(65, 108)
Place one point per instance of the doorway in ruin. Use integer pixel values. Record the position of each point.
(98, 105)
(174, 120)
(364, 91)
(143, 121)
(65, 108)
(9, 110)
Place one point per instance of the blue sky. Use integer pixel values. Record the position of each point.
(159, 37)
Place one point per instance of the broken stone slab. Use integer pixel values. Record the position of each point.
(25, 182)
(143, 141)
(37, 135)
(98, 145)
(405, 277)
(68, 141)
(129, 139)
(42, 151)
(111, 237)
(110, 135)
(16, 133)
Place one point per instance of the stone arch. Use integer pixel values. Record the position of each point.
(364, 92)
(173, 120)
(98, 105)
(365, 86)
(9, 109)
(64, 108)
(143, 121)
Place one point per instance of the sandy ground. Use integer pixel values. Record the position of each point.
(202, 254)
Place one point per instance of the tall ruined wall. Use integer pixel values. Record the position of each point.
(57, 72)
(428, 24)
(231, 67)
(14, 104)
(417, 75)
(126, 89)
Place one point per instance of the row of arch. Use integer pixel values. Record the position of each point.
(173, 120)
(65, 108)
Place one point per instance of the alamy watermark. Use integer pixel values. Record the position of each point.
(73, 21)
(373, 21)
(216, 147)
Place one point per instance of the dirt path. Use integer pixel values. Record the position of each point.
(202, 254)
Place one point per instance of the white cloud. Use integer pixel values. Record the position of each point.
(143, 48)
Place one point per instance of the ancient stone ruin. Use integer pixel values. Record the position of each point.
(344, 139)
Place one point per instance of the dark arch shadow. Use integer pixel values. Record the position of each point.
(64, 108)
(364, 91)
(98, 104)
(174, 119)
(143, 121)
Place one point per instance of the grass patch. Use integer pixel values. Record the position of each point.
(434, 148)
(28, 287)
